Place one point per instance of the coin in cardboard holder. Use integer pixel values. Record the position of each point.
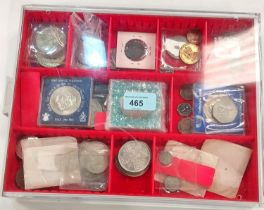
(135, 50)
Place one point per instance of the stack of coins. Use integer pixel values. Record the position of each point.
(133, 158)
(49, 44)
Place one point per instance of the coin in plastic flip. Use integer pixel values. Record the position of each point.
(173, 44)
(185, 125)
(186, 92)
(65, 100)
(225, 110)
(172, 184)
(190, 53)
(194, 36)
(184, 109)
(20, 183)
(134, 158)
(50, 62)
(136, 49)
(165, 158)
(50, 40)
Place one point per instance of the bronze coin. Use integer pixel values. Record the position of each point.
(20, 179)
(185, 125)
(186, 92)
(194, 36)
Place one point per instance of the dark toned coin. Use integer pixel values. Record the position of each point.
(165, 158)
(185, 125)
(186, 91)
(194, 36)
(20, 183)
(136, 49)
(172, 184)
(184, 109)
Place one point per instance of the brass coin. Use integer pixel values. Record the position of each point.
(20, 183)
(185, 125)
(194, 36)
(190, 53)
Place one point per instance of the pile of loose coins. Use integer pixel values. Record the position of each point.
(185, 125)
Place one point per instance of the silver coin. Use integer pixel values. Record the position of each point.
(173, 44)
(50, 62)
(95, 106)
(208, 108)
(184, 109)
(225, 110)
(165, 158)
(185, 125)
(50, 40)
(94, 156)
(186, 92)
(134, 157)
(65, 100)
(172, 184)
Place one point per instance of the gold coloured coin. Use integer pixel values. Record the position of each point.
(190, 53)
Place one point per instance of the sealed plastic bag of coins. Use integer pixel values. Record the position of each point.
(89, 43)
(181, 51)
(219, 110)
(137, 105)
(47, 45)
(45, 161)
(180, 167)
(94, 162)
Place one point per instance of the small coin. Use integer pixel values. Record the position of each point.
(165, 158)
(190, 53)
(50, 62)
(65, 100)
(184, 109)
(185, 125)
(136, 49)
(186, 92)
(194, 36)
(134, 157)
(225, 110)
(173, 44)
(20, 183)
(50, 40)
(95, 106)
(94, 156)
(172, 184)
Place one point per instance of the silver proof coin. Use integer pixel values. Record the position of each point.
(185, 125)
(186, 92)
(225, 110)
(95, 106)
(136, 49)
(172, 184)
(165, 158)
(184, 109)
(65, 100)
(134, 157)
(50, 62)
(94, 156)
(173, 44)
(50, 40)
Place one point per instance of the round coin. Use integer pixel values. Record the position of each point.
(134, 157)
(194, 36)
(94, 156)
(172, 184)
(184, 109)
(173, 44)
(65, 100)
(190, 53)
(50, 62)
(185, 125)
(225, 110)
(50, 40)
(165, 158)
(136, 49)
(20, 183)
(186, 92)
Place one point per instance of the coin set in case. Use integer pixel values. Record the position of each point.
(159, 106)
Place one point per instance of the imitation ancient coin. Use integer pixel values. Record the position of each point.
(134, 157)
(184, 109)
(173, 44)
(190, 53)
(165, 158)
(194, 36)
(186, 92)
(185, 125)
(172, 184)
(65, 100)
(136, 49)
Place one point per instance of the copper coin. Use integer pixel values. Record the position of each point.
(185, 125)
(186, 92)
(190, 53)
(20, 183)
(194, 36)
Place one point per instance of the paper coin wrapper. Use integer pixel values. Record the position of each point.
(40, 161)
(194, 167)
(233, 160)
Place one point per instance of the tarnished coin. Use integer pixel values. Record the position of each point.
(194, 36)
(172, 184)
(165, 158)
(20, 183)
(134, 157)
(184, 109)
(50, 40)
(65, 100)
(136, 49)
(94, 156)
(186, 92)
(50, 62)
(190, 53)
(95, 106)
(225, 110)
(173, 44)
(185, 125)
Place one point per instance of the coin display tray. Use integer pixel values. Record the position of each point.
(27, 95)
